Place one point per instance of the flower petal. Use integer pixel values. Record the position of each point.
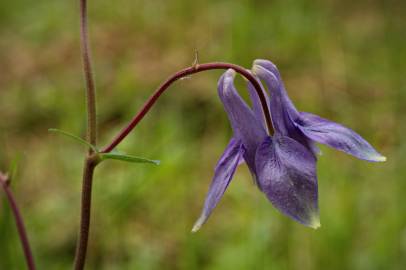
(269, 66)
(245, 124)
(224, 172)
(287, 174)
(337, 136)
(283, 112)
(278, 85)
(256, 103)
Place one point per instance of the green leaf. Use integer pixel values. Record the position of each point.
(14, 166)
(127, 158)
(72, 136)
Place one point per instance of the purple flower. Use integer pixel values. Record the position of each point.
(283, 165)
(283, 168)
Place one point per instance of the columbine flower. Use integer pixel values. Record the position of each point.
(308, 128)
(283, 168)
(283, 165)
(295, 191)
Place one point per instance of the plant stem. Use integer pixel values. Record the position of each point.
(90, 162)
(181, 74)
(19, 222)
(81, 248)
(87, 68)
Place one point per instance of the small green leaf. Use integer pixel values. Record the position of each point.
(14, 166)
(127, 158)
(72, 136)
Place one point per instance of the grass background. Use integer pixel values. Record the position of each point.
(344, 60)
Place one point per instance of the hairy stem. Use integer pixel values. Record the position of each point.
(19, 222)
(181, 74)
(90, 162)
(81, 248)
(87, 68)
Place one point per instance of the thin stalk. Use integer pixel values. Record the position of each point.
(19, 222)
(90, 162)
(81, 248)
(181, 74)
(87, 69)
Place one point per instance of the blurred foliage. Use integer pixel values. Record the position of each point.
(344, 60)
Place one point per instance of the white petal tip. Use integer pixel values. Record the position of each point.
(376, 158)
(315, 225)
(315, 222)
(196, 228)
(380, 158)
(199, 223)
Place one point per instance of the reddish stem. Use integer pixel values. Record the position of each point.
(181, 74)
(81, 248)
(89, 166)
(19, 222)
(87, 69)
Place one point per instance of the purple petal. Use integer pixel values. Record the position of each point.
(277, 86)
(245, 124)
(337, 136)
(269, 66)
(224, 172)
(256, 103)
(283, 112)
(287, 174)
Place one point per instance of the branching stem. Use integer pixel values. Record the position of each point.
(89, 164)
(19, 222)
(91, 161)
(181, 74)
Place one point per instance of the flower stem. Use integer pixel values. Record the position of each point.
(19, 222)
(181, 74)
(87, 68)
(90, 162)
(81, 248)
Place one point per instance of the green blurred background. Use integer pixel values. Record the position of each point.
(344, 60)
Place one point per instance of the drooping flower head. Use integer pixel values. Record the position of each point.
(283, 164)
(283, 169)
